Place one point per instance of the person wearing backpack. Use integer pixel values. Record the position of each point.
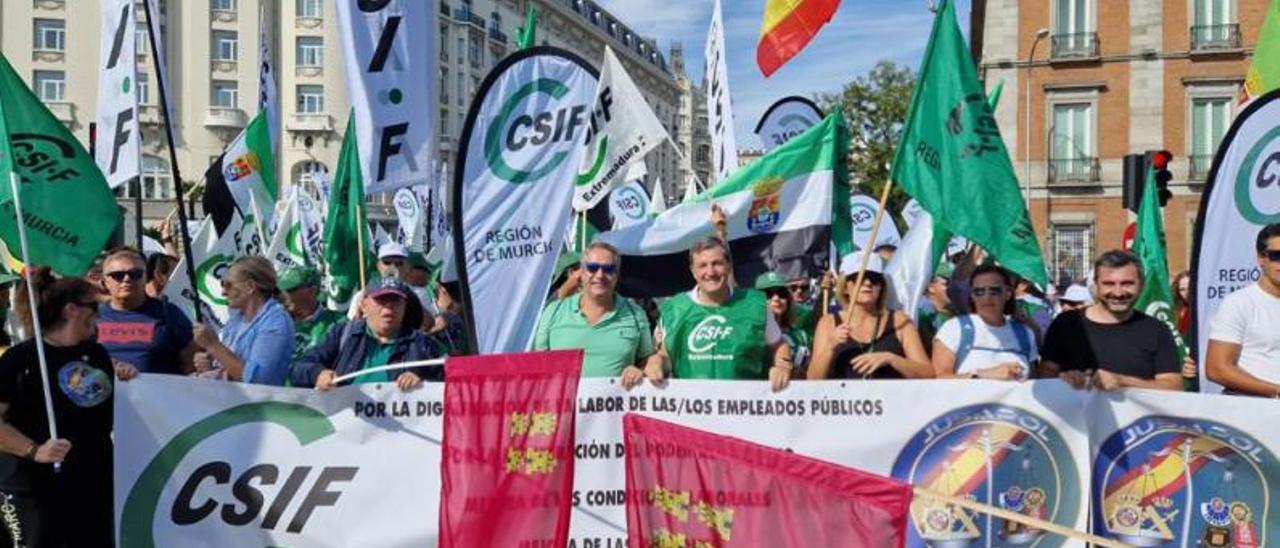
(990, 343)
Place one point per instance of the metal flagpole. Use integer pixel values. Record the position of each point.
(35, 316)
(173, 160)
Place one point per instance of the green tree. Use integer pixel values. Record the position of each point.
(874, 107)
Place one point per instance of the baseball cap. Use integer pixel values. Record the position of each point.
(387, 286)
(945, 270)
(297, 277)
(1077, 294)
(418, 260)
(392, 249)
(771, 280)
(852, 262)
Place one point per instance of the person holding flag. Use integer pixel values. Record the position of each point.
(256, 345)
(69, 505)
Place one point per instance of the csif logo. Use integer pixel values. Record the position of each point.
(630, 202)
(44, 158)
(209, 275)
(244, 500)
(537, 125)
(710, 331)
(1257, 185)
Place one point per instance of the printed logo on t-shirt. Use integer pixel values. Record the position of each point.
(125, 332)
(707, 333)
(84, 385)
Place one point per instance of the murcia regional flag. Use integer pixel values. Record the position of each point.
(783, 210)
(390, 52)
(117, 147)
(623, 129)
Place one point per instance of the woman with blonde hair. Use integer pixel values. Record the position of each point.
(256, 345)
(868, 340)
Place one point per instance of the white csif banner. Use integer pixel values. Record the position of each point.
(786, 118)
(118, 148)
(390, 52)
(1242, 196)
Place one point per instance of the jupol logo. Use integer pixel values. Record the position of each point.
(209, 278)
(307, 425)
(1257, 188)
(514, 129)
(1161, 481)
(996, 454)
(707, 333)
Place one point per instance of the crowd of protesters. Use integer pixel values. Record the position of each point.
(975, 320)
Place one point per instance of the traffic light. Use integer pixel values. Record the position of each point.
(1158, 160)
(1134, 176)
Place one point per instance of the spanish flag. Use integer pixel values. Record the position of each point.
(787, 28)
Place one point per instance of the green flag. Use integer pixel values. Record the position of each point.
(951, 159)
(526, 36)
(1264, 71)
(68, 210)
(993, 98)
(1156, 299)
(344, 228)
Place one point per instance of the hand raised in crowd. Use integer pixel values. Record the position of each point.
(720, 221)
(1007, 371)
(866, 364)
(408, 381)
(124, 371)
(52, 451)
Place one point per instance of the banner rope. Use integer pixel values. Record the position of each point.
(388, 367)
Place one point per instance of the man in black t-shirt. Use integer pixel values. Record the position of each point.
(1109, 345)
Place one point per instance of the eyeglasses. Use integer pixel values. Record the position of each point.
(777, 292)
(121, 275)
(1272, 255)
(608, 269)
(994, 291)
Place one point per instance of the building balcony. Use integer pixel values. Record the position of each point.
(225, 117)
(467, 16)
(1080, 45)
(497, 36)
(64, 111)
(223, 16)
(48, 55)
(49, 5)
(1075, 170)
(222, 66)
(309, 23)
(308, 71)
(149, 115)
(1199, 168)
(1215, 37)
(310, 122)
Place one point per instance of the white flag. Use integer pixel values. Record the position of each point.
(118, 147)
(268, 96)
(390, 52)
(288, 248)
(409, 213)
(628, 205)
(658, 203)
(312, 226)
(623, 130)
(862, 212)
(248, 166)
(911, 268)
(212, 256)
(724, 145)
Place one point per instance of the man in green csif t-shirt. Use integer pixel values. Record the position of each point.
(717, 331)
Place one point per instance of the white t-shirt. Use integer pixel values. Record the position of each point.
(991, 345)
(1250, 317)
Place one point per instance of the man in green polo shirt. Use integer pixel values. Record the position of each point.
(717, 331)
(311, 321)
(611, 329)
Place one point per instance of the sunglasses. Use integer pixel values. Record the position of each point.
(607, 268)
(1272, 255)
(798, 288)
(393, 262)
(122, 275)
(777, 292)
(994, 291)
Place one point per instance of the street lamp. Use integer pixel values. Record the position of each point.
(1041, 34)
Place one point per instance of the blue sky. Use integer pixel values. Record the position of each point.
(861, 33)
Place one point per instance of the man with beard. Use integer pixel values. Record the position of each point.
(1109, 345)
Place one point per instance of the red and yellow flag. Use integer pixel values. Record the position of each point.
(787, 28)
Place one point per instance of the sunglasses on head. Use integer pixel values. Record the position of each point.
(778, 292)
(608, 269)
(1272, 255)
(122, 275)
(994, 291)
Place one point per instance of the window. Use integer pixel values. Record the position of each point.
(310, 51)
(1213, 25)
(50, 85)
(157, 184)
(462, 50)
(140, 44)
(310, 99)
(223, 5)
(50, 35)
(226, 47)
(461, 93)
(311, 8)
(144, 88)
(1210, 118)
(444, 123)
(306, 173)
(1073, 34)
(1072, 252)
(475, 52)
(1071, 143)
(225, 94)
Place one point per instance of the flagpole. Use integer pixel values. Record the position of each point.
(173, 160)
(360, 239)
(1008, 515)
(35, 316)
(866, 253)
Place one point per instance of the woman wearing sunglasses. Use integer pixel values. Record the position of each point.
(788, 314)
(868, 340)
(990, 343)
(256, 345)
(71, 506)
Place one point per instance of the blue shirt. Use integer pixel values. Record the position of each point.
(264, 343)
(149, 337)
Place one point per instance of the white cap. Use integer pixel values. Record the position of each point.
(850, 264)
(1077, 294)
(392, 249)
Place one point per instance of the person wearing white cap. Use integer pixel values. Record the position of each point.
(868, 341)
(393, 260)
(1075, 297)
(989, 343)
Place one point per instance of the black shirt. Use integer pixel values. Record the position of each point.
(81, 380)
(1140, 346)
